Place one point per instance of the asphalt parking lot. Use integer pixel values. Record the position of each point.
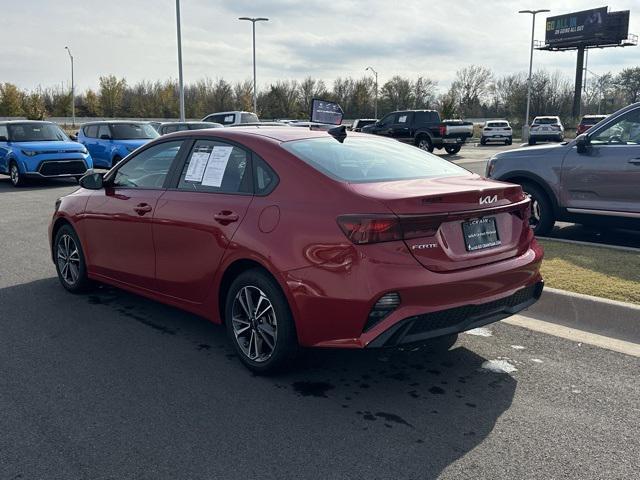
(110, 385)
(474, 157)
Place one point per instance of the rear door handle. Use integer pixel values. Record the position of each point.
(226, 217)
(142, 208)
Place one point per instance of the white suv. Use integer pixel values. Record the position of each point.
(232, 118)
(498, 131)
(545, 129)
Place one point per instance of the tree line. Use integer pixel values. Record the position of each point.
(476, 92)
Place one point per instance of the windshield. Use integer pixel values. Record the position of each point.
(591, 120)
(368, 160)
(132, 131)
(546, 121)
(497, 124)
(36, 132)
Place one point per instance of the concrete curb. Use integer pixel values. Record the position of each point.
(592, 314)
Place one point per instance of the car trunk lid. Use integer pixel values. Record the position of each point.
(458, 222)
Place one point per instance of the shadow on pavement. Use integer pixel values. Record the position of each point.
(112, 385)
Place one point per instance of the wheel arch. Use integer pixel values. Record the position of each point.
(527, 177)
(57, 225)
(240, 265)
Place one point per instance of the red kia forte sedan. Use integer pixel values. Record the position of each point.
(292, 237)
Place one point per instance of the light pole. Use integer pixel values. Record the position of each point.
(375, 100)
(180, 79)
(525, 127)
(255, 91)
(73, 91)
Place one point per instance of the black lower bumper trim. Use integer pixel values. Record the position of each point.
(445, 322)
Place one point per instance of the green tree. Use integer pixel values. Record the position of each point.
(112, 91)
(34, 106)
(628, 81)
(10, 100)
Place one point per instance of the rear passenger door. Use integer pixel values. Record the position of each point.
(197, 218)
(4, 148)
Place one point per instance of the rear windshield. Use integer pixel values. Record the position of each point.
(132, 131)
(368, 160)
(35, 132)
(591, 120)
(248, 118)
(497, 124)
(546, 121)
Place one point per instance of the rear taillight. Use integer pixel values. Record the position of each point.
(488, 128)
(555, 127)
(507, 128)
(363, 229)
(443, 130)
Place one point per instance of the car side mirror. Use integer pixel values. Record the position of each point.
(582, 143)
(104, 136)
(92, 181)
(73, 137)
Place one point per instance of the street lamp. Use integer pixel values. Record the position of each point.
(73, 91)
(180, 79)
(253, 22)
(533, 13)
(375, 101)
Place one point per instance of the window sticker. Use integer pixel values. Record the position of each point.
(216, 166)
(197, 166)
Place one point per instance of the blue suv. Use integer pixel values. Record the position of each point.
(30, 149)
(110, 142)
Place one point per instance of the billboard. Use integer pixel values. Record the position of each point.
(593, 27)
(323, 111)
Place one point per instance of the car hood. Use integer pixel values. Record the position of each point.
(535, 151)
(51, 147)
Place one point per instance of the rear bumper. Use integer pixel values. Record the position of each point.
(332, 302)
(446, 322)
(546, 136)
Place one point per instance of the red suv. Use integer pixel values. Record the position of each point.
(293, 237)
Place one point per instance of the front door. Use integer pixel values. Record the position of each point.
(605, 177)
(194, 223)
(117, 223)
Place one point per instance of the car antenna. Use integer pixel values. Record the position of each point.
(339, 133)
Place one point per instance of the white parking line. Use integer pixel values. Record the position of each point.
(580, 336)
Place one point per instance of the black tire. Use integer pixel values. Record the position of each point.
(483, 141)
(78, 179)
(542, 216)
(17, 180)
(115, 161)
(509, 141)
(532, 141)
(424, 143)
(452, 149)
(441, 344)
(64, 244)
(247, 332)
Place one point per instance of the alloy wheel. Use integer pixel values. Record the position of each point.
(424, 144)
(536, 214)
(254, 322)
(68, 257)
(14, 173)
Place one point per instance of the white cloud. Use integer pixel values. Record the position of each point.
(326, 39)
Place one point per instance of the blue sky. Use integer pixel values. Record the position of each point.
(136, 39)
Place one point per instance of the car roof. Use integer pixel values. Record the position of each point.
(10, 122)
(280, 134)
(195, 122)
(226, 113)
(100, 122)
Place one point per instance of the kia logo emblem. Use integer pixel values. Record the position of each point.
(488, 199)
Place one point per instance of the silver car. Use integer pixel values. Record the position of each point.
(594, 179)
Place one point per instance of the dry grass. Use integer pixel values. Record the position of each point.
(602, 272)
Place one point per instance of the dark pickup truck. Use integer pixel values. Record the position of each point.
(424, 129)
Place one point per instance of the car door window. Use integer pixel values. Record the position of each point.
(265, 179)
(216, 167)
(4, 133)
(91, 131)
(103, 130)
(149, 168)
(402, 119)
(388, 120)
(624, 131)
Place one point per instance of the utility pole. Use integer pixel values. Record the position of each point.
(525, 127)
(375, 104)
(180, 78)
(255, 88)
(73, 91)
